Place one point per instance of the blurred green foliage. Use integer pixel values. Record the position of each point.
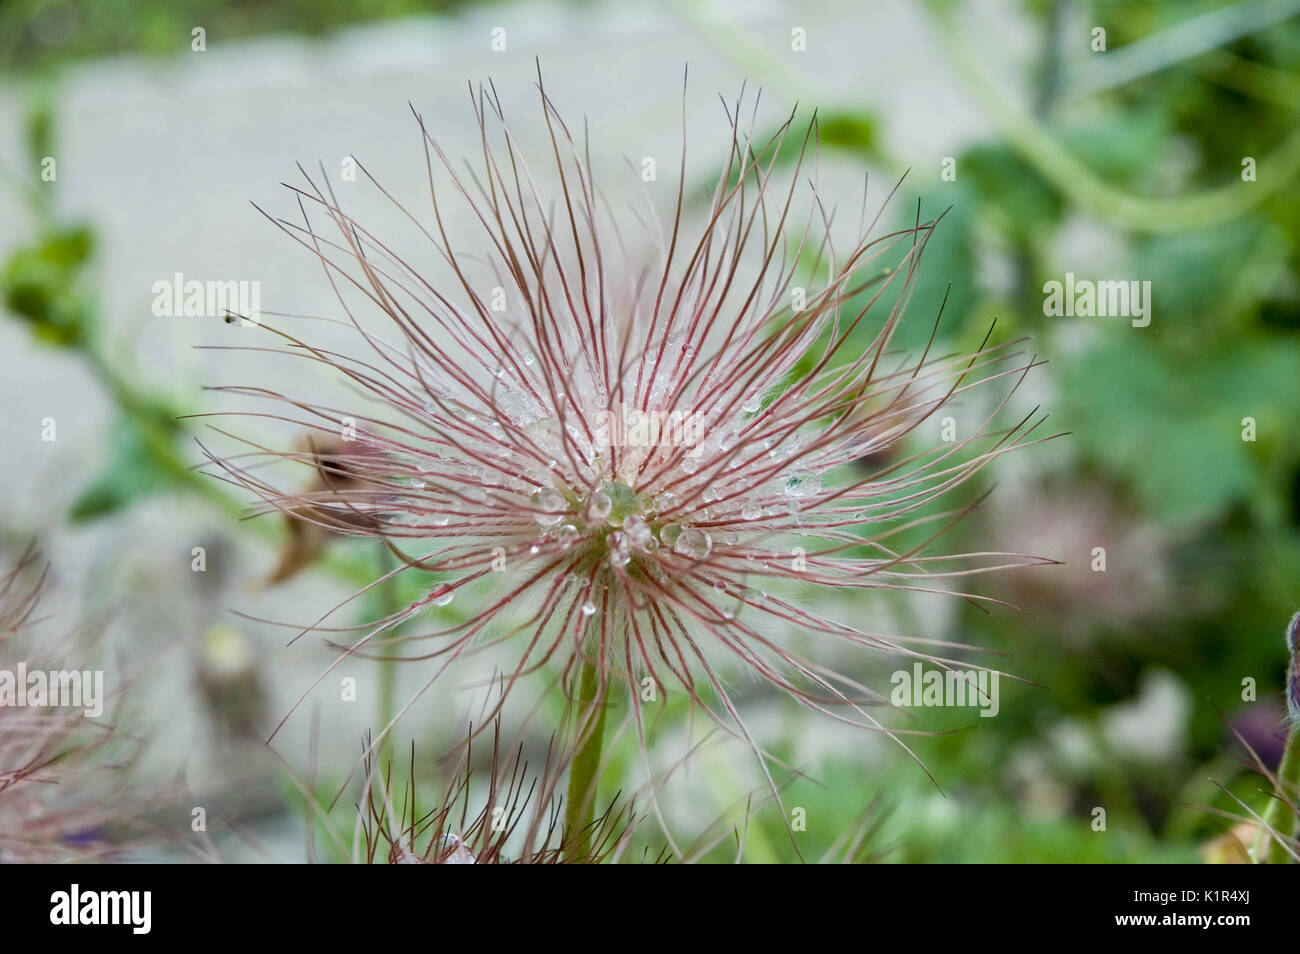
(1184, 426)
(42, 33)
(1157, 415)
(41, 284)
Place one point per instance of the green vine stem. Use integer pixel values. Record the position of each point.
(1090, 192)
(1075, 180)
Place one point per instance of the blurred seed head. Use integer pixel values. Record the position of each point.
(1083, 597)
(58, 785)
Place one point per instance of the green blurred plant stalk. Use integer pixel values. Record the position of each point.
(1271, 850)
(584, 772)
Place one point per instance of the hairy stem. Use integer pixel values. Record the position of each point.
(584, 772)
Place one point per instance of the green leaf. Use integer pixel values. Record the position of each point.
(69, 246)
(40, 283)
(947, 271)
(1171, 429)
(133, 470)
(852, 131)
(1119, 145)
(1192, 272)
(1019, 200)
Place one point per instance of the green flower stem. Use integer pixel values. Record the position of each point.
(389, 602)
(1270, 851)
(584, 772)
